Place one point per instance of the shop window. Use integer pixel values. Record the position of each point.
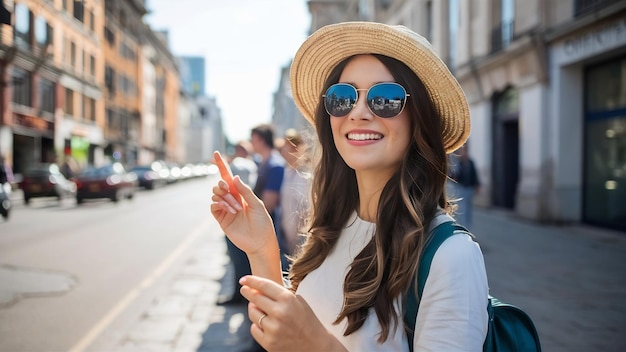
(605, 145)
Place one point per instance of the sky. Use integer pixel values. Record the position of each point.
(245, 43)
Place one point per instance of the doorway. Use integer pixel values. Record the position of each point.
(505, 157)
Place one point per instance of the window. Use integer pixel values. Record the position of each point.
(73, 54)
(22, 84)
(89, 109)
(92, 20)
(109, 36)
(508, 16)
(43, 32)
(127, 52)
(109, 80)
(69, 101)
(429, 20)
(502, 32)
(46, 95)
(79, 10)
(92, 65)
(453, 31)
(583, 7)
(22, 26)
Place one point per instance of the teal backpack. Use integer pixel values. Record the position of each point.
(509, 329)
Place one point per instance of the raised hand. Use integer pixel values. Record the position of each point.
(240, 213)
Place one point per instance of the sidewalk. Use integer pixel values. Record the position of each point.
(185, 317)
(571, 280)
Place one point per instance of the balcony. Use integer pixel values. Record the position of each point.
(583, 7)
(501, 36)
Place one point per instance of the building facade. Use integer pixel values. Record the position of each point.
(546, 85)
(286, 115)
(50, 66)
(86, 79)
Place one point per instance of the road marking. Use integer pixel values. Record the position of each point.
(89, 338)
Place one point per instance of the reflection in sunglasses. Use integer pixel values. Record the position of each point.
(384, 100)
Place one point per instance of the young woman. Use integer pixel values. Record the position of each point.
(386, 111)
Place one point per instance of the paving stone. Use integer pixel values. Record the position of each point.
(170, 306)
(160, 331)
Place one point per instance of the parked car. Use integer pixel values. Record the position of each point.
(5, 200)
(110, 181)
(46, 180)
(149, 176)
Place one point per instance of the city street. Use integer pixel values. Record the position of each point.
(69, 273)
(144, 275)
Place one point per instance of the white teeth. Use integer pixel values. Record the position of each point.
(364, 136)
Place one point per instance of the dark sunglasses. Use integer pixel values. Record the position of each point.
(383, 99)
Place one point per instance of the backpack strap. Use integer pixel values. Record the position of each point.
(439, 234)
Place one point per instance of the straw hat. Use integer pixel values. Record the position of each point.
(328, 46)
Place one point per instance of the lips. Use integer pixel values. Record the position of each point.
(364, 136)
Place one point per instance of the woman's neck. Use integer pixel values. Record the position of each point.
(370, 187)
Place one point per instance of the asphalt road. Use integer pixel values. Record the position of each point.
(68, 272)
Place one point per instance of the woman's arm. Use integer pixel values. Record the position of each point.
(244, 219)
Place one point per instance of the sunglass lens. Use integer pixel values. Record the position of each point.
(386, 99)
(339, 100)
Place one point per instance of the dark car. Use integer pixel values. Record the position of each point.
(110, 181)
(46, 180)
(149, 176)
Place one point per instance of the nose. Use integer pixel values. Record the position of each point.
(361, 111)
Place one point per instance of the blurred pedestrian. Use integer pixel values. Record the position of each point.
(385, 123)
(6, 175)
(464, 186)
(294, 195)
(269, 175)
(242, 165)
(68, 168)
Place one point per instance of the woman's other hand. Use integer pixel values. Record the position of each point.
(283, 321)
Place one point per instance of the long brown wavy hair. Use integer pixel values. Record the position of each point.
(383, 271)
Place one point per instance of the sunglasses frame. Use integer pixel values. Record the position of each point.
(406, 95)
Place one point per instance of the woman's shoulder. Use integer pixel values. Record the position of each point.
(458, 253)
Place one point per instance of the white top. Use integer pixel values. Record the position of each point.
(294, 195)
(452, 314)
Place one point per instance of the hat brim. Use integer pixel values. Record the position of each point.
(331, 44)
